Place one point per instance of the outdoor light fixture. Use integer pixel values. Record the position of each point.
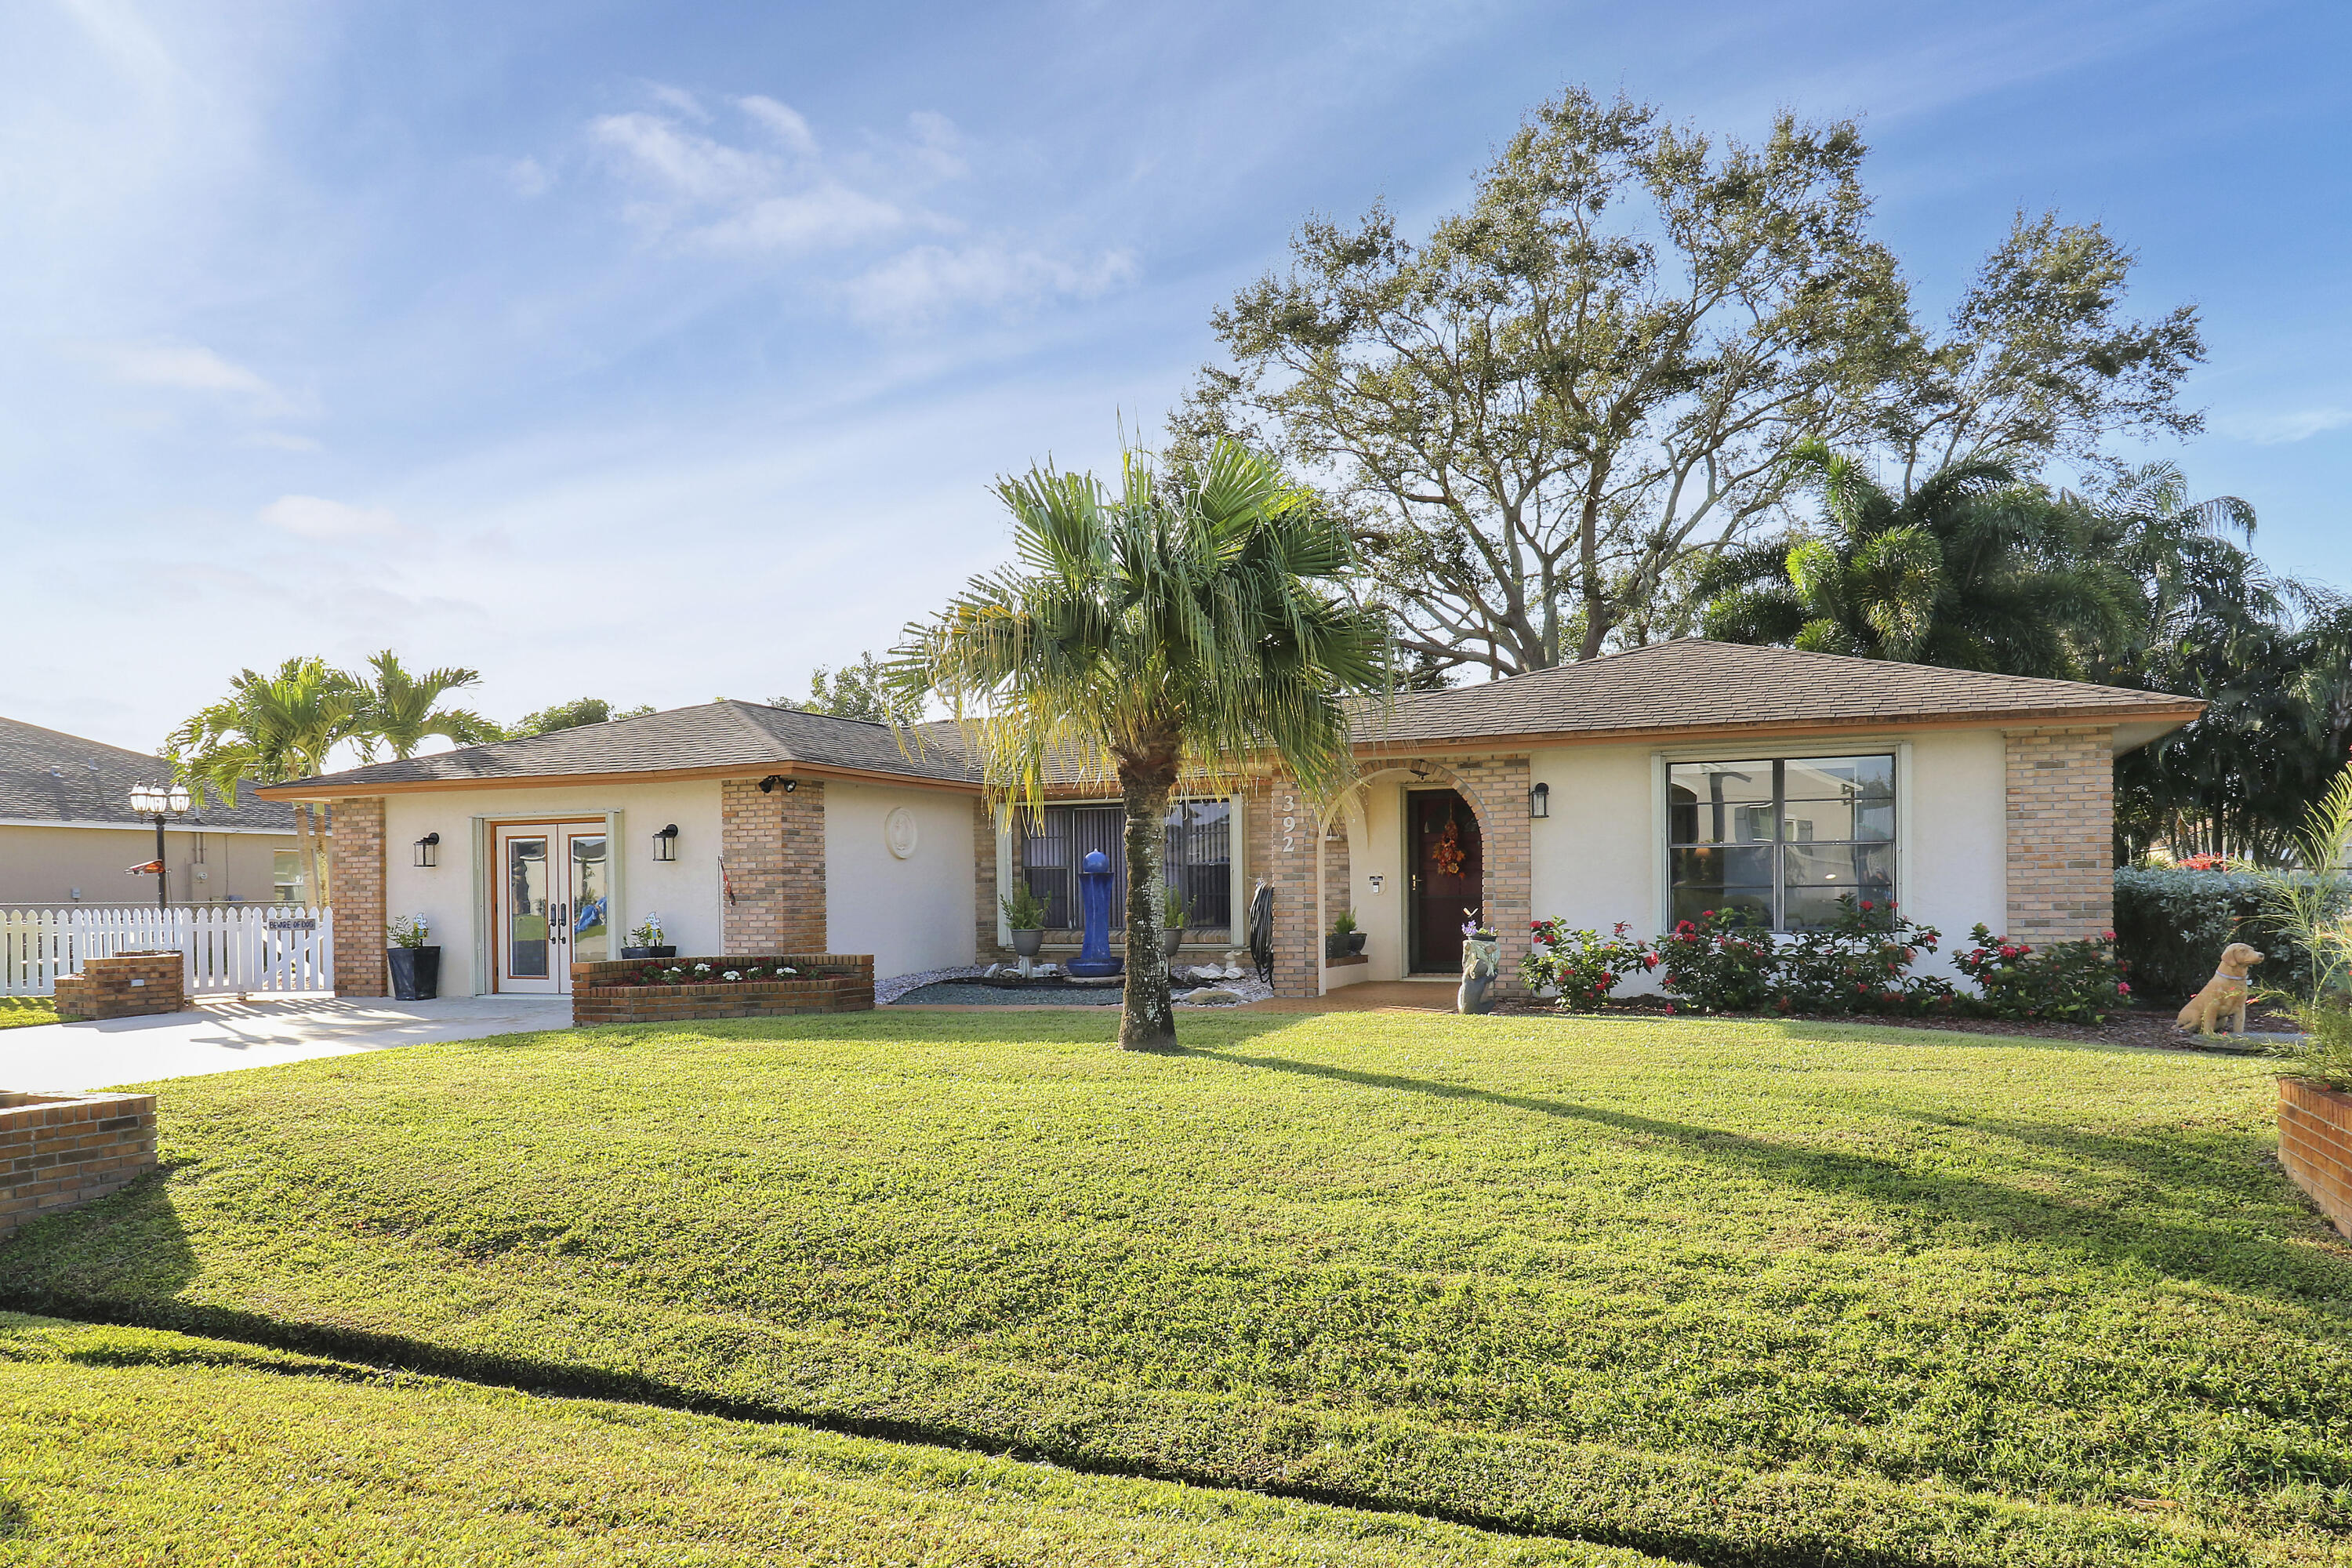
(159, 801)
(665, 843)
(428, 850)
(769, 783)
(1539, 801)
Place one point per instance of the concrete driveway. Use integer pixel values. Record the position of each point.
(221, 1036)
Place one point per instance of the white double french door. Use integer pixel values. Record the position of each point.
(553, 893)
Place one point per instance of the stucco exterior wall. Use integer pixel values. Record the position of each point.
(45, 865)
(1596, 861)
(684, 891)
(913, 913)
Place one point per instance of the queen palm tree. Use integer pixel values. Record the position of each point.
(1973, 569)
(268, 729)
(398, 709)
(1167, 632)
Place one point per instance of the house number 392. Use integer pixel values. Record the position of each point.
(1290, 823)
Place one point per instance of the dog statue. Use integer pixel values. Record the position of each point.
(2224, 996)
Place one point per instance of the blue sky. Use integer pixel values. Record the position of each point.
(662, 351)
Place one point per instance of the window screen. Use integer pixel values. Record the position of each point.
(1196, 857)
(1780, 838)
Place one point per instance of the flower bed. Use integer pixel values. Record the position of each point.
(668, 990)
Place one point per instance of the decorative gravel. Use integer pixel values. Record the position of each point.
(939, 988)
(889, 990)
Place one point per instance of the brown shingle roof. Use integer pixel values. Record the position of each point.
(1697, 685)
(46, 776)
(714, 739)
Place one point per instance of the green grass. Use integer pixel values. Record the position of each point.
(1726, 1292)
(17, 1011)
(132, 1445)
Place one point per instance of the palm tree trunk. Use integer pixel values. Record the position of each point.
(1147, 1020)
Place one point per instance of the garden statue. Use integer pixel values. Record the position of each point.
(1482, 955)
(2224, 996)
(1094, 960)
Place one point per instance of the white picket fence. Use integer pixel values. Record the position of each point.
(231, 949)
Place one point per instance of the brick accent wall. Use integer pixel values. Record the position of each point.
(125, 985)
(774, 847)
(1496, 788)
(2062, 868)
(1280, 828)
(60, 1150)
(355, 884)
(985, 947)
(828, 983)
(1338, 887)
(2316, 1146)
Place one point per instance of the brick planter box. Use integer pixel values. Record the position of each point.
(125, 985)
(2316, 1146)
(827, 983)
(57, 1151)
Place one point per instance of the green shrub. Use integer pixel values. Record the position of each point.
(1861, 963)
(1582, 966)
(2172, 924)
(2326, 1054)
(2067, 982)
(1722, 962)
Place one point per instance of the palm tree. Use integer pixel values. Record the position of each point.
(1971, 570)
(399, 712)
(268, 729)
(1164, 633)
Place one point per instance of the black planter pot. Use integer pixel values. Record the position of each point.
(1356, 942)
(649, 952)
(415, 972)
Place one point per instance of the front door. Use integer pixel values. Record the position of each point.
(553, 891)
(1447, 876)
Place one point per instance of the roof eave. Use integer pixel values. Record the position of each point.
(2167, 717)
(327, 788)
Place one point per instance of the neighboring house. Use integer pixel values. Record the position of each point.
(1639, 787)
(68, 832)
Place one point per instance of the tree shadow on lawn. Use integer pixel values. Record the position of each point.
(2267, 1263)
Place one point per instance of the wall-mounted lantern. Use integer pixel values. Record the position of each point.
(665, 843)
(1539, 801)
(428, 850)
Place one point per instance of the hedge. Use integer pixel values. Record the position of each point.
(2171, 926)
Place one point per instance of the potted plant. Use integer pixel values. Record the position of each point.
(646, 942)
(1024, 913)
(1173, 914)
(1344, 941)
(416, 966)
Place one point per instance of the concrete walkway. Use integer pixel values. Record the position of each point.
(221, 1036)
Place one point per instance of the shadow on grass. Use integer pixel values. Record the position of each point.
(2267, 1264)
(129, 1243)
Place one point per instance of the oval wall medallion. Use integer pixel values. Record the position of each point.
(899, 832)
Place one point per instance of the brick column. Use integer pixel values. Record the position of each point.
(2061, 865)
(985, 949)
(1497, 789)
(772, 844)
(1282, 828)
(355, 883)
(1338, 887)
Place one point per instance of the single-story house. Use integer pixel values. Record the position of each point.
(68, 832)
(1638, 787)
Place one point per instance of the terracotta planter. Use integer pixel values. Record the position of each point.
(2316, 1146)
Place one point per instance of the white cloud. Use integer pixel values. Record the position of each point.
(932, 279)
(772, 192)
(282, 441)
(315, 517)
(184, 367)
(2284, 429)
(528, 177)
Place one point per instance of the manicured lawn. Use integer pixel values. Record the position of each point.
(17, 1011)
(1734, 1292)
(133, 1446)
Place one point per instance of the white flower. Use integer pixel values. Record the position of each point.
(702, 969)
(782, 970)
(730, 974)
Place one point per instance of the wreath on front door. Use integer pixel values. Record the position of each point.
(1448, 852)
